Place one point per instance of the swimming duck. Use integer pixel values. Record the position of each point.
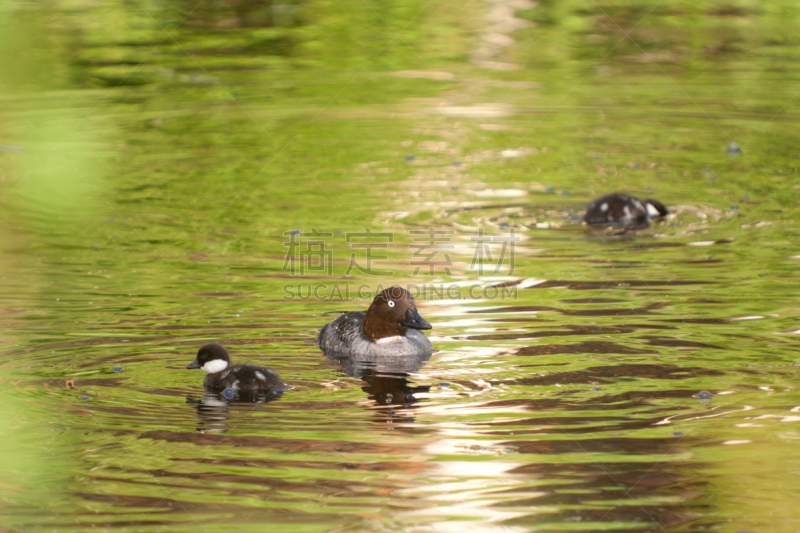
(215, 361)
(390, 327)
(626, 210)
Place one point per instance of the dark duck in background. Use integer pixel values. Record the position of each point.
(623, 209)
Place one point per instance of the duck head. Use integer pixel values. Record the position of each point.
(211, 358)
(391, 313)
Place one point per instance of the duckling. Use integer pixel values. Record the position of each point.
(215, 361)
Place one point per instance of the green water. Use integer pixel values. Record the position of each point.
(157, 157)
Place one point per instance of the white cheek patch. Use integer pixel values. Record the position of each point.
(214, 366)
(652, 211)
(261, 376)
(387, 340)
(603, 207)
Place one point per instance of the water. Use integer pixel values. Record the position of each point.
(158, 182)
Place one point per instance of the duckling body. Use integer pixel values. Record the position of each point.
(243, 378)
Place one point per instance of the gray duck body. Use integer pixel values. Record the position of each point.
(345, 336)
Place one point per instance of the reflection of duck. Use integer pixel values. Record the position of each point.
(623, 209)
(213, 409)
(389, 328)
(385, 378)
(390, 389)
(247, 382)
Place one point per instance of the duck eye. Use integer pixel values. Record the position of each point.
(390, 303)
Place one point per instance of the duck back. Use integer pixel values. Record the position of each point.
(244, 378)
(617, 208)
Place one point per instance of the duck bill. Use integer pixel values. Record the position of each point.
(413, 320)
(194, 364)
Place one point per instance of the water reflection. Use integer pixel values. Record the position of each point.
(213, 409)
(386, 382)
(364, 366)
(390, 388)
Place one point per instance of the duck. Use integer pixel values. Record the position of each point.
(390, 327)
(215, 361)
(624, 209)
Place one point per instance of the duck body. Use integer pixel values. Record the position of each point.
(215, 361)
(346, 335)
(623, 209)
(243, 378)
(391, 327)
